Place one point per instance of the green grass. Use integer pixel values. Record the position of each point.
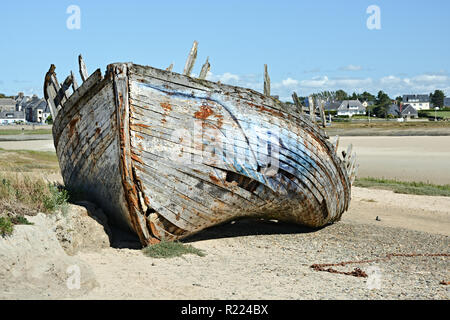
(10, 132)
(28, 160)
(6, 226)
(419, 188)
(442, 114)
(167, 249)
(24, 195)
(381, 124)
(21, 220)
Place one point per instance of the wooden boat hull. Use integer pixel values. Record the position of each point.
(167, 155)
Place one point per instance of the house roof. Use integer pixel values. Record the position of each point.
(408, 109)
(416, 98)
(20, 115)
(7, 102)
(447, 102)
(332, 105)
(37, 103)
(394, 110)
(351, 104)
(21, 100)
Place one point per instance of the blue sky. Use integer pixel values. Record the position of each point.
(309, 46)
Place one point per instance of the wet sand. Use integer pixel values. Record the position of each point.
(416, 158)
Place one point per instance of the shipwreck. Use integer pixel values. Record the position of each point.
(167, 155)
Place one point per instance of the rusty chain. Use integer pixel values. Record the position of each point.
(357, 272)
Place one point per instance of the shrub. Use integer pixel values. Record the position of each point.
(56, 199)
(21, 220)
(166, 249)
(6, 226)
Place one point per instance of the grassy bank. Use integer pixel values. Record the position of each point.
(22, 194)
(10, 132)
(389, 128)
(27, 161)
(419, 188)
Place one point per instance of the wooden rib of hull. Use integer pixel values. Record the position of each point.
(168, 155)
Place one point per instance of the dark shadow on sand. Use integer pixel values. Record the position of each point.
(124, 239)
(248, 227)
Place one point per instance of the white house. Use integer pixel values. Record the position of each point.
(9, 117)
(36, 110)
(417, 101)
(351, 108)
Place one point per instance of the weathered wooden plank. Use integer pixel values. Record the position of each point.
(205, 69)
(335, 142)
(153, 99)
(74, 81)
(312, 112)
(168, 123)
(62, 94)
(354, 174)
(94, 172)
(204, 173)
(239, 144)
(266, 82)
(83, 70)
(322, 113)
(51, 93)
(297, 102)
(132, 195)
(191, 60)
(142, 74)
(86, 91)
(311, 142)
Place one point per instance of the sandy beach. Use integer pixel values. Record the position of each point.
(408, 158)
(264, 260)
(34, 145)
(253, 259)
(250, 259)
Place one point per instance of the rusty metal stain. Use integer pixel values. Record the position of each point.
(214, 179)
(135, 157)
(166, 106)
(204, 112)
(72, 125)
